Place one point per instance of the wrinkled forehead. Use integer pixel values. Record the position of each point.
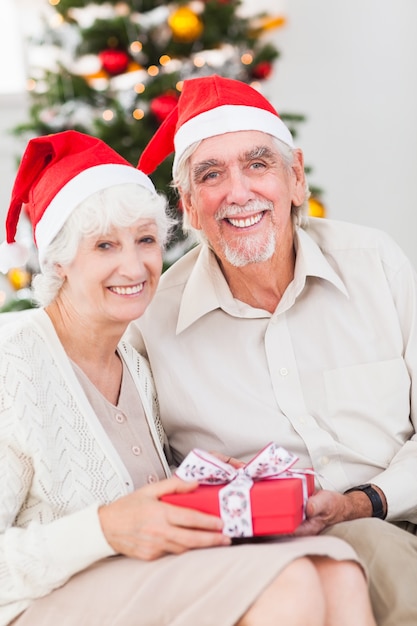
(239, 144)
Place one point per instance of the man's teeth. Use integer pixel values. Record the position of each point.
(127, 291)
(248, 221)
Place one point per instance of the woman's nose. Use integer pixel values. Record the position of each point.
(130, 261)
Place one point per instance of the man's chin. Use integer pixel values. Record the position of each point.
(242, 257)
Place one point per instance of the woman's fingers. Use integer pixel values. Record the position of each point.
(178, 540)
(141, 526)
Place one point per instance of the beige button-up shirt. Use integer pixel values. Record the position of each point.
(328, 375)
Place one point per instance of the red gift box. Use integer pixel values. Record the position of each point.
(277, 505)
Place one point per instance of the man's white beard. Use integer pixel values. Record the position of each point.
(249, 251)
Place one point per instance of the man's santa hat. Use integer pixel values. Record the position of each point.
(56, 174)
(211, 106)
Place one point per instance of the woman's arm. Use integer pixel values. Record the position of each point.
(37, 559)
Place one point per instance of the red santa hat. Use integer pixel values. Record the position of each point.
(56, 174)
(211, 106)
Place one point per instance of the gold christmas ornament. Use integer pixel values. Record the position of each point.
(316, 208)
(96, 75)
(19, 278)
(269, 22)
(134, 67)
(261, 25)
(186, 26)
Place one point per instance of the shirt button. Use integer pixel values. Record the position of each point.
(152, 478)
(120, 418)
(136, 450)
(324, 460)
(283, 371)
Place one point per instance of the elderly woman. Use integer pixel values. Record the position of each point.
(84, 537)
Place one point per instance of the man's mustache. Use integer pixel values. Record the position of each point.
(234, 210)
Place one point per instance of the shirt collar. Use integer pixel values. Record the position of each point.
(311, 260)
(206, 290)
(215, 294)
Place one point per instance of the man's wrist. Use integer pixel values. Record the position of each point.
(376, 498)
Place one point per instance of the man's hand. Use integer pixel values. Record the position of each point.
(326, 508)
(236, 463)
(140, 526)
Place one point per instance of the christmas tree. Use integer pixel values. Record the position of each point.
(114, 69)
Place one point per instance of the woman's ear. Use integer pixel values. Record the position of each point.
(60, 271)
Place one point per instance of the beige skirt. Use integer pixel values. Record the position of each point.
(211, 587)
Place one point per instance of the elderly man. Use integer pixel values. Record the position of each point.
(286, 328)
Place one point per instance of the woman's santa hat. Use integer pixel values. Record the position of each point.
(56, 174)
(211, 106)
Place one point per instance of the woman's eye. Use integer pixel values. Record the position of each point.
(148, 239)
(104, 245)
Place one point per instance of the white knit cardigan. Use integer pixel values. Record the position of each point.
(57, 464)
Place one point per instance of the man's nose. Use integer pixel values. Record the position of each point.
(239, 187)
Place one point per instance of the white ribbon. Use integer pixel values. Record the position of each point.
(273, 461)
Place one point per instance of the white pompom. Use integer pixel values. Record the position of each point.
(12, 255)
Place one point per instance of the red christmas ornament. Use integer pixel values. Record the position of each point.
(114, 61)
(262, 70)
(162, 105)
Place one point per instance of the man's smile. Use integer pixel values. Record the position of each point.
(244, 222)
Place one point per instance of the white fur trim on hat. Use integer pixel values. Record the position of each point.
(228, 119)
(79, 189)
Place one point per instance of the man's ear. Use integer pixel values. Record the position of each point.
(192, 214)
(299, 181)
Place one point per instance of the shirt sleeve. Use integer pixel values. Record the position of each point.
(398, 480)
(37, 559)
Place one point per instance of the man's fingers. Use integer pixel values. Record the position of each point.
(236, 463)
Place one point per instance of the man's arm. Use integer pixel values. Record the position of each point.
(326, 508)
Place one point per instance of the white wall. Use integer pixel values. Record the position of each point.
(19, 18)
(13, 111)
(351, 68)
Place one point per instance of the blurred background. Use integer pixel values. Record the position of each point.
(343, 74)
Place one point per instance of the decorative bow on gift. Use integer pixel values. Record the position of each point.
(272, 462)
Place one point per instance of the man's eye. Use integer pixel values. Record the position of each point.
(210, 176)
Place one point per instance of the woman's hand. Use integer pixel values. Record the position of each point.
(139, 525)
